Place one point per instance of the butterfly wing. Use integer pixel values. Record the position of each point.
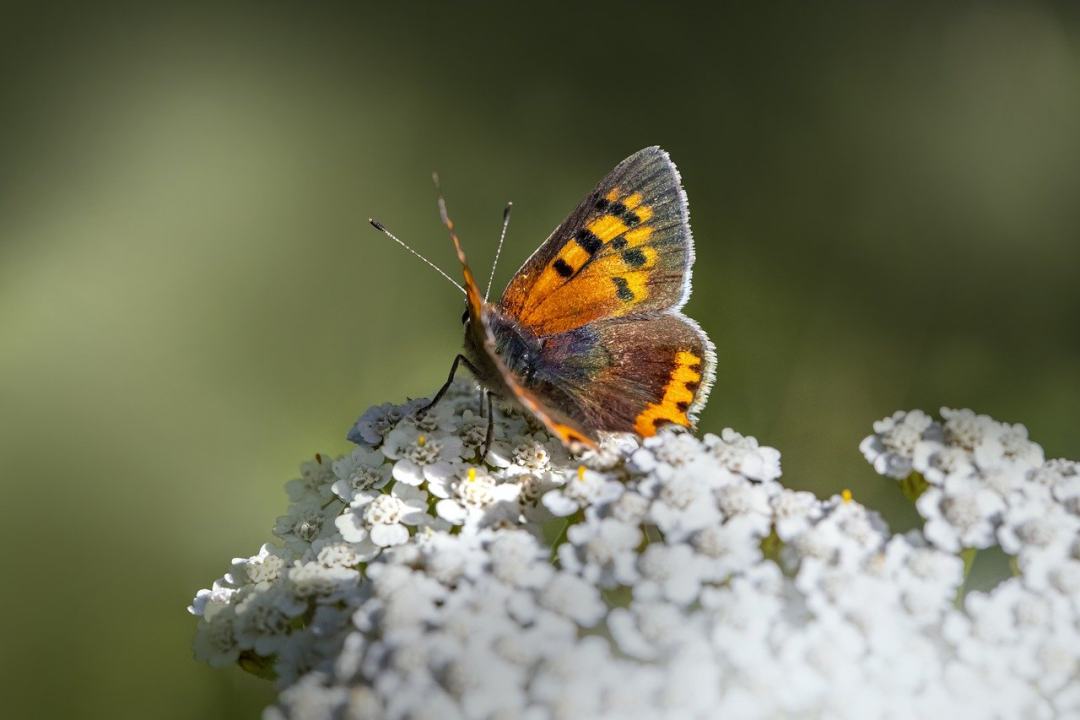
(569, 430)
(558, 423)
(629, 374)
(626, 250)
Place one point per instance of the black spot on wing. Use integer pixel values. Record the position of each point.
(634, 258)
(589, 242)
(622, 289)
(563, 268)
(619, 243)
(628, 216)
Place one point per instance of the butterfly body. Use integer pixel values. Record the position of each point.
(588, 336)
(517, 349)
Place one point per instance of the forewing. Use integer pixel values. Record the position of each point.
(632, 374)
(626, 249)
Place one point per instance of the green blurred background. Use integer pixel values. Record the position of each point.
(884, 198)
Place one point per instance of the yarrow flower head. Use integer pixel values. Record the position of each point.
(582, 489)
(383, 517)
(476, 499)
(666, 578)
(892, 446)
(362, 470)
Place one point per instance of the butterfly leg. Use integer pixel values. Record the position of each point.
(449, 381)
(490, 426)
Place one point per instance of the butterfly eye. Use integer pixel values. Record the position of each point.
(465, 317)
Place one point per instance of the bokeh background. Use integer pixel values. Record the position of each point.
(884, 197)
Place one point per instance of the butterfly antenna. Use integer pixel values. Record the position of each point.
(382, 228)
(472, 292)
(498, 248)
(445, 217)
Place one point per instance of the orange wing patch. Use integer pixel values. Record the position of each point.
(614, 220)
(571, 437)
(683, 383)
(600, 271)
(639, 204)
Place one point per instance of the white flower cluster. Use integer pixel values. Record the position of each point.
(671, 578)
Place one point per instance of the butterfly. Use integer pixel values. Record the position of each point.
(588, 336)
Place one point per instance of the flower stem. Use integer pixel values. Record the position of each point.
(257, 665)
(968, 556)
(771, 545)
(561, 537)
(913, 486)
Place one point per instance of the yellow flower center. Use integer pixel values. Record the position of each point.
(845, 495)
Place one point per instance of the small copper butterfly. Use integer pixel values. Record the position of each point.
(588, 335)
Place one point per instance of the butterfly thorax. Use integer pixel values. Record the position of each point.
(517, 347)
